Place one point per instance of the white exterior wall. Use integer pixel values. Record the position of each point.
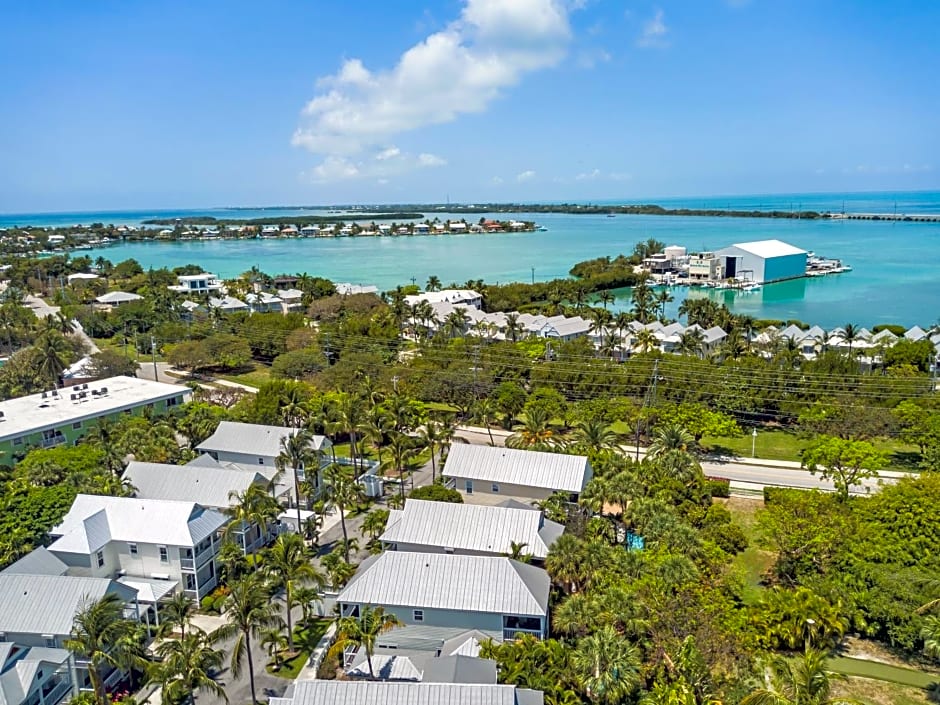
(504, 489)
(455, 619)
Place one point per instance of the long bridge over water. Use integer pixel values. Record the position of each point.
(907, 217)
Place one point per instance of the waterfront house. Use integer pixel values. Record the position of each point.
(310, 231)
(565, 328)
(169, 545)
(114, 299)
(289, 231)
(256, 445)
(291, 300)
(264, 303)
(526, 474)
(915, 334)
(369, 692)
(457, 297)
(37, 613)
(385, 229)
(468, 529)
(81, 276)
(204, 283)
(438, 593)
(63, 416)
(763, 261)
(347, 289)
(705, 267)
(421, 228)
(270, 231)
(457, 226)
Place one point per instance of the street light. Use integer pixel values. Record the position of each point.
(754, 443)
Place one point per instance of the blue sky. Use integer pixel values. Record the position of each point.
(177, 104)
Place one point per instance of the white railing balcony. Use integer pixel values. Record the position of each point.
(512, 634)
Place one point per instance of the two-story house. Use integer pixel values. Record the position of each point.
(442, 595)
(259, 446)
(158, 540)
(204, 283)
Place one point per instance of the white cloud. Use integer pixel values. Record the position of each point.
(496, 180)
(655, 32)
(597, 174)
(589, 58)
(524, 176)
(425, 159)
(588, 176)
(389, 153)
(460, 69)
(335, 169)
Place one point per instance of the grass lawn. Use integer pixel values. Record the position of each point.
(872, 692)
(255, 374)
(753, 562)
(305, 639)
(786, 445)
(882, 672)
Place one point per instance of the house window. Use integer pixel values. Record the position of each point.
(495, 487)
(260, 461)
(190, 581)
(100, 557)
(469, 486)
(418, 615)
(18, 441)
(132, 549)
(351, 611)
(164, 555)
(49, 641)
(77, 425)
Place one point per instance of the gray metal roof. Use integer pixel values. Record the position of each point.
(94, 520)
(491, 584)
(469, 527)
(527, 468)
(207, 486)
(39, 561)
(18, 678)
(319, 692)
(459, 669)
(46, 604)
(253, 439)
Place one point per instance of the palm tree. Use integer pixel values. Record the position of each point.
(363, 631)
(643, 301)
(517, 552)
(274, 641)
(430, 437)
(486, 411)
(348, 412)
(513, 327)
(378, 425)
(850, 335)
(803, 681)
(606, 297)
(607, 665)
(401, 447)
(455, 322)
(253, 507)
(297, 453)
(53, 352)
(103, 637)
(535, 433)
(104, 436)
(434, 283)
(691, 342)
(930, 633)
(646, 341)
(248, 613)
(374, 522)
(669, 437)
(662, 298)
(292, 406)
(287, 563)
(187, 665)
(594, 434)
(344, 492)
(338, 570)
(176, 613)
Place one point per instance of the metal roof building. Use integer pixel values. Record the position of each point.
(320, 692)
(251, 439)
(47, 604)
(39, 561)
(763, 261)
(520, 468)
(481, 529)
(94, 521)
(206, 486)
(440, 581)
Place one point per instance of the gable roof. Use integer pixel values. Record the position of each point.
(253, 439)
(207, 486)
(459, 669)
(47, 604)
(39, 561)
(492, 584)
(93, 521)
(117, 297)
(335, 692)
(19, 670)
(471, 527)
(527, 468)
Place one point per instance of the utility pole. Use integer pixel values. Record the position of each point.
(533, 275)
(651, 393)
(153, 353)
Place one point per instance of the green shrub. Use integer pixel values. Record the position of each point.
(718, 487)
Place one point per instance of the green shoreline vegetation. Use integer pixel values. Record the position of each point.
(719, 599)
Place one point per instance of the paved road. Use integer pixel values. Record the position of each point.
(41, 309)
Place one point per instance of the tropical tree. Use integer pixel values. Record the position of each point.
(606, 297)
(402, 449)
(607, 666)
(803, 681)
(691, 342)
(363, 631)
(850, 334)
(253, 507)
(374, 522)
(248, 613)
(176, 613)
(514, 329)
(434, 283)
(930, 633)
(54, 351)
(338, 570)
(103, 637)
(646, 341)
(288, 565)
(485, 410)
(344, 492)
(431, 436)
(187, 666)
(349, 416)
(297, 454)
(594, 434)
(534, 433)
(274, 642)
(847, 463)
(662, 298)
(669, 437)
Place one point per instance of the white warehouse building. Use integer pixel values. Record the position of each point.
(763, 262)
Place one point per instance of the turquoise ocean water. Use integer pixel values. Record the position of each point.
(896, 277)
